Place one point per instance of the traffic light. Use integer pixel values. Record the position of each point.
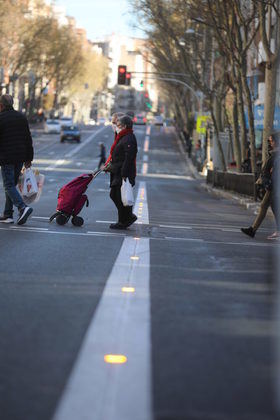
(141, 83)
(128, 78)
(121, 75)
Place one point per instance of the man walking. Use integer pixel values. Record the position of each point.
(16, 150)
(269, 199)
(102, 155)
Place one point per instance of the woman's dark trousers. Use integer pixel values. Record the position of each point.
(124, 213)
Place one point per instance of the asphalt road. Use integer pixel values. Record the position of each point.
(198, 331)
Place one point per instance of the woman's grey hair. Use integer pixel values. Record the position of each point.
(6, 100)
(126, 121)
(117, 115)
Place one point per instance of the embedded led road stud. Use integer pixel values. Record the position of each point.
(115, 358)
(128, 289)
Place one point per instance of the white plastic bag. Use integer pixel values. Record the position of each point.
(127, 193)
(30, 186)
(29, 191)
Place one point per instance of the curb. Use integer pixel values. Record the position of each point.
(248, 203)
(189, 162)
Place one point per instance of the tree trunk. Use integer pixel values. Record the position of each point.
(242, 122)
(216, 128)
(236, 142)
(250, 119)
(269, 104)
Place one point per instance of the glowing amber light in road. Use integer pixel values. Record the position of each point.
(137, 239)
(128, 289)
(134, 258)
(115, 358)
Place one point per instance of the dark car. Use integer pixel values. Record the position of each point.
(139, 120)
(71, 132)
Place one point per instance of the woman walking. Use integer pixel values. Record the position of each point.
(122, 166)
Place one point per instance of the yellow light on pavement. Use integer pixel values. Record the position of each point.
(134, 257)
(115, 358)
(128, 289)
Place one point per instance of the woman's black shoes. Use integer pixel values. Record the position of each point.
(118, 226)
(131, 220)
(248, 231)
(123, 226)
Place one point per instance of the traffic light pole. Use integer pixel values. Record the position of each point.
(169, 79)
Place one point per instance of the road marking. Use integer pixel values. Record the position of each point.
(105, 221)
(36, 229)
(148, 130)
(85, 143)
(175, 227)
(58, 162)
(119, 332)
(40, 217)
(144, 170)
(167, 176)
(141, 205)
(184, 239)
(146, 144)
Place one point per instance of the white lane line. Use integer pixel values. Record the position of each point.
(105, 221)
(141, 205)
(144, 169)
(40, 217)
(184, 239)
(97, 390)
(167, 176)
(146, 144)
(27, 229)
(84, 143)
(175, 227)
(58, 162)
(36, 229)
(148, 130)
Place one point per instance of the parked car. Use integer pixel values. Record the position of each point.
(101, 121)
(70, 133)
(139, 119)
(158, 120)
(66, 121)
(168, 122)
(52, 126)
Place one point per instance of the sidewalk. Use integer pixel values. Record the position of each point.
(245, 201)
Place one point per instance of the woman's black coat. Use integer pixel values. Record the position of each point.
(123, 164)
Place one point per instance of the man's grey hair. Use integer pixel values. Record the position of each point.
(6, 100)
(126, 121)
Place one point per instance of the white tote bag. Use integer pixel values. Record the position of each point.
(127, 193)
(30, 187)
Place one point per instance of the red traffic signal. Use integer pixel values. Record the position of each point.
(128, 78)
(121, 75)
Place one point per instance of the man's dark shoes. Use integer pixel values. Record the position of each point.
(6, 219)
(23, 215)
(131, 220)
(248, 231)
(118, 226)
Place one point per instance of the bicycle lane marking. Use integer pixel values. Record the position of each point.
(111, 379)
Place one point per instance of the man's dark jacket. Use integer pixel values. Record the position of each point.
(124, 160)
(15, 138)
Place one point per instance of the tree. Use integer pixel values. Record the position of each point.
(270, 37)
(168, 23)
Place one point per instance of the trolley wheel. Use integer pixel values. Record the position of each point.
(61, 219)
(77, 221)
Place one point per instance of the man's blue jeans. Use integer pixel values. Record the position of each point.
(10, 175)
